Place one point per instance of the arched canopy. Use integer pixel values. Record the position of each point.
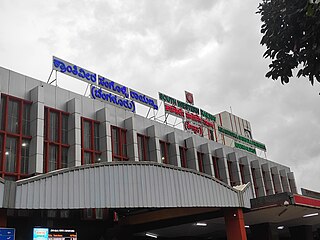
(126, 185)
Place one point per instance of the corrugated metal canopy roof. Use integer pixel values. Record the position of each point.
(126, 185)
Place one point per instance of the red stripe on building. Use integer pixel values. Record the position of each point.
(231, 122)
(235, 123)
(215, 132)
(306, 201)
(224, 142)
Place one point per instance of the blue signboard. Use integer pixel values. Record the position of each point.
(118, 95)
(40, 234)
(7, 233)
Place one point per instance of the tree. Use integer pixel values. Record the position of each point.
(291, 33)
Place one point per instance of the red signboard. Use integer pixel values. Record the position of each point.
(194, 128)
(179, 112)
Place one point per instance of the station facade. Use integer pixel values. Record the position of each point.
(74, 162)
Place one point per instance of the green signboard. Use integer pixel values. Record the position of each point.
(242, 138)
(243, 147)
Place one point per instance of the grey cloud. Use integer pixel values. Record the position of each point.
(210, 48)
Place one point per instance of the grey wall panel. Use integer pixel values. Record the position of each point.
(1, 191)
(124, 185)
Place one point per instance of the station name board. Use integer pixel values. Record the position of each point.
(186, 107)
(242, 138)
(105, 89)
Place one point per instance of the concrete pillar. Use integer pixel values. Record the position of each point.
(247, 172)
(174, 153)
(284, 180)
(74, 132)
(235, 171)
(224, 175)
(37, 131)
(301, 232)
(292, 182)
(154, 144)
(132, 139)
(207, 159)
(266, 174)
(257, 175)
(3, 217)
(105, 135)
(276, 180)
(235, 224)
(264, 231)
(191, 154)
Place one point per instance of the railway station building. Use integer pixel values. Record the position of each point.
(93, 165)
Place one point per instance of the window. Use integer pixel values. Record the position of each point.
(264, 176)
(211, 135)
(254, 179)
(90, 149)
(119, 144)
(56, 139)
(183, 156)
(215, 161)
(232, 182)
(241, 167)
(284, 183)
(164, 149)
(274, 183)
(14, 137)
(291, 184)
(200, 161)
(143, 147)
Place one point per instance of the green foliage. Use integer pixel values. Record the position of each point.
(291, 33)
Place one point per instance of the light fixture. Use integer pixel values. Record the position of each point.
(24, 144)
(310, 215)
(201, 224)
(247, 226)
(162, 158)
(152, 235)
(7, 153)
(280, 227)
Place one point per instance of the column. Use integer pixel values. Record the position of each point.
(191, 154)
(174, 153)
(292, 182)
(259, 184)
(37, 130)
(132, 139)
(247, 173)
(234, 221)
(235, 170)
(284, 180)
(74, 132)
(105, 135)
(276, 180)
(207, 159)
(267, 179)
(222, 162)
(154, 144)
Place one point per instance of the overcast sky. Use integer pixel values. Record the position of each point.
(208, 47)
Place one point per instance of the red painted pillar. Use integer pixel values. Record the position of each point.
(234, 221)
(3, 218)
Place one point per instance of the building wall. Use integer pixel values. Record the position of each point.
(43, 95)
